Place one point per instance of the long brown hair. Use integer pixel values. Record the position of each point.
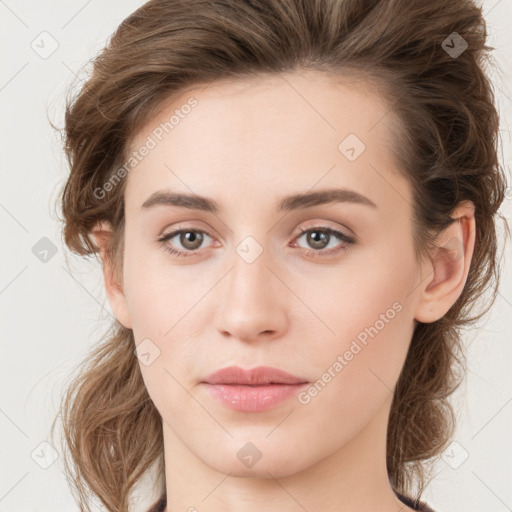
(446, 144)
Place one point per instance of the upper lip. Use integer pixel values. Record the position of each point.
(257, 376)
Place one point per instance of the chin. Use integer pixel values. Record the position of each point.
(256, 459)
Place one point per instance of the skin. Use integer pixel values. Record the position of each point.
(246, 145)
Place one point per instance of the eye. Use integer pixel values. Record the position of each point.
(320, 237)
(317, 237)
(190, 239)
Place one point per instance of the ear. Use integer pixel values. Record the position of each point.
(102, 235)
(447, 269)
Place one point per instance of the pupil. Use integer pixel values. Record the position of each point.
(192, 237)
(317, 237)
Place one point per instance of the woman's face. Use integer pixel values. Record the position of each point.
(337, 311)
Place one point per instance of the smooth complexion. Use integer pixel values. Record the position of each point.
(246, 146)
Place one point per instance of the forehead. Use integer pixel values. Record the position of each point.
(257, 136)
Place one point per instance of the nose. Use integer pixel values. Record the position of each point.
(251, 300)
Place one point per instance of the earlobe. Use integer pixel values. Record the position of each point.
(102, 235)
(445, 275)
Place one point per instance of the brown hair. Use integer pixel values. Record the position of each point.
(448, 129)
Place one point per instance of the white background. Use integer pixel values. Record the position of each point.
(51, 317)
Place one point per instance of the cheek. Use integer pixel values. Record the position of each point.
(356, 372)
(157, 297)
(370, 321)
(162, 306)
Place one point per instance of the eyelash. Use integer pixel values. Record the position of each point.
(348, 241)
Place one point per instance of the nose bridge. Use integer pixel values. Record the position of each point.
(249, 279)
(249, 303)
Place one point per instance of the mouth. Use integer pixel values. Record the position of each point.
(260, 376)
(253, 390)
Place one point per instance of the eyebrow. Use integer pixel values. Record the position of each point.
(288, 203)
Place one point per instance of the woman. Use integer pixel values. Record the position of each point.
(294, 203)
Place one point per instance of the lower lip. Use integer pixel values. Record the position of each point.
(254, 398)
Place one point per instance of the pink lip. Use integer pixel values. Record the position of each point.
(255, 377)
(253, 390)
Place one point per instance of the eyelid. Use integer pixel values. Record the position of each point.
(319, 224)
(315, 225)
